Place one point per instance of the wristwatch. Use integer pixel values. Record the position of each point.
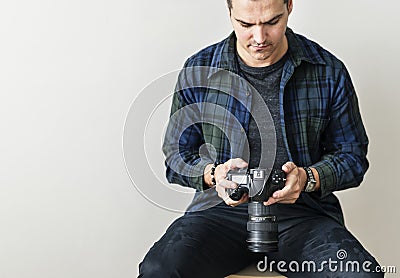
(311, 182)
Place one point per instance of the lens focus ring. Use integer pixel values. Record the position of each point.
(257, 209)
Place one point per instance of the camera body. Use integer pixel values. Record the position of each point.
(262, 225)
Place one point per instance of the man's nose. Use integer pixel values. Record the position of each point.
(259, 34)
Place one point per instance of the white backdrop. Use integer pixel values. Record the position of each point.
(69, 71)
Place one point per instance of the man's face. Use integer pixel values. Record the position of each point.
(260, 30)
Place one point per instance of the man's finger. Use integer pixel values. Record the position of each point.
(237, 163)
(227, 184)
(221, 192)
(288, 167)
(270, 201)
(282, 193)
(233, 203)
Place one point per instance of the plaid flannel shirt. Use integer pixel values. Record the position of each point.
(320, 118)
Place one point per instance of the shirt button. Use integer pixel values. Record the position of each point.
(247, 93)
(242, 129)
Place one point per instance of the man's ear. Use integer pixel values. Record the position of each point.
(290, 6)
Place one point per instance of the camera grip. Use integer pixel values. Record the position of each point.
(237, 193)
(276, 181)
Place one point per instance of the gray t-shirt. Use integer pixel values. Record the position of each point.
(266, 80)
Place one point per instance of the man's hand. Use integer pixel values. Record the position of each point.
(296, 178)
(222, 183)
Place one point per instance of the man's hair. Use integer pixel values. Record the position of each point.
(230, 3)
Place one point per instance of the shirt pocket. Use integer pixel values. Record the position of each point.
(315, 129)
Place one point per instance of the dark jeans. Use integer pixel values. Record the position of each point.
(212, 243)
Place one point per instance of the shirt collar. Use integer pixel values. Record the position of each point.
(299, 50)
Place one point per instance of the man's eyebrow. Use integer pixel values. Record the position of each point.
(268, 22)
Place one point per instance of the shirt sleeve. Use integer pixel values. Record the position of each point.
(344, 141)
(183, 146)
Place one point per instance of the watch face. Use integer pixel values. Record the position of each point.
(311, 182)
(310, 187)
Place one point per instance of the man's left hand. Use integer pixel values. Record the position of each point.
(296, 178)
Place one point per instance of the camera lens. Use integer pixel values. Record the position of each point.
(262, 228)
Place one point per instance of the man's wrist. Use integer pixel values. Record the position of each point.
(207, 175)
(303, 178)
(311, 182)
(316, 176)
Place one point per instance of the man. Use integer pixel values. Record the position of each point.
(321, 145)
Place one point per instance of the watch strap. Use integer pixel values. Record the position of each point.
(311, 182)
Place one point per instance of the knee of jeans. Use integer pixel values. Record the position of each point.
(151, 268)
(158, 267)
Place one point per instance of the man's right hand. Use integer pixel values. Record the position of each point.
(222, 183)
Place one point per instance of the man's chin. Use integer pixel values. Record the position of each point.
(260, 57)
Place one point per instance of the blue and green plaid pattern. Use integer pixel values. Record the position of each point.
(321, 122)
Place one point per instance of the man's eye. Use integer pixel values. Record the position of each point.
(273, 22)
(245, 25)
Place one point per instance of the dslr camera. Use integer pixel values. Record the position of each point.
(262, 225)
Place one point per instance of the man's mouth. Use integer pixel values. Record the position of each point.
(260, 46)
